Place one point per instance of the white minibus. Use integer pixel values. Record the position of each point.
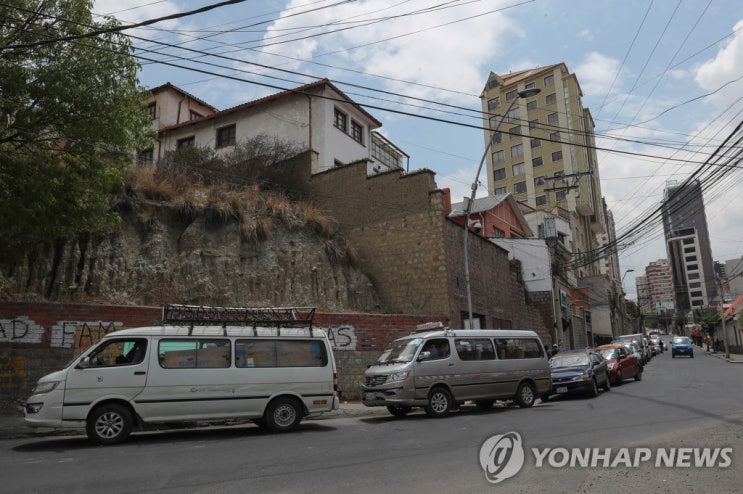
(439, 370)
(202, 364)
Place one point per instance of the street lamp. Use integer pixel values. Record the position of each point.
(623, 313)
(468, 202)
(625, 274)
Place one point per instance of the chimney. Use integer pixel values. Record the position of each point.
(447, 200)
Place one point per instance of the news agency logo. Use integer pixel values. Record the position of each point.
(502, 456)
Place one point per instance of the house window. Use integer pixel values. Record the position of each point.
(552, 118)
(555, 136)
(152, 110)
(536, 161)
(541, 200)
(192, 115)
(499, 174)
(517, 150)
(500, 190)
(549, 80)
(493, 83)
(518, 169)
(515, 132)
(498, 233)
(499, 156)
(519, 188)
(357, 132)
(186, 142)
(557, 156)
(511, 95)
(535, 143)
(146, 156)
(493, 103)
(226, 136)
(340, 120)
(551, 99)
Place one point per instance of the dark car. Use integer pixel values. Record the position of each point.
(622, 363)
(578, 371)
(681, 345)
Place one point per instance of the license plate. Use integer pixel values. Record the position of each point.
(562, 389)
(370, 397)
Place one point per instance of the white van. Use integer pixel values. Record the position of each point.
(268, 365)
(442, 369)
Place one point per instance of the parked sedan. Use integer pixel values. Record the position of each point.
(681, 345)
(621, 362)
(579, 371)
(634, 350)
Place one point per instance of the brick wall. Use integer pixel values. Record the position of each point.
(39, 338)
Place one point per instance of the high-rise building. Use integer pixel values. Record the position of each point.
(658, 288)
(542, 150)
(688, 246)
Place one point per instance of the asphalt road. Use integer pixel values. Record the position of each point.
(680, 403)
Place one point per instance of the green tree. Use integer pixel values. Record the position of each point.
(71, 117)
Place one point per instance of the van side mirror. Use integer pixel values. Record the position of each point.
(424, 356)
(84, 363)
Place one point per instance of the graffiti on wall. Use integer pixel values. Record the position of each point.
(80, 334)
(20, 330)
(12, 371)
(341, 337)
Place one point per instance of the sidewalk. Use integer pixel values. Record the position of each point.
(735, 358)
(12, 425)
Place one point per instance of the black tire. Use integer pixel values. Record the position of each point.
(283, 414)
(619, 378)
(484, 404)
(692, 355)
(673, 355)
(399, 410)
(638, 375)
(439, 403)
(526, 395)
(109, 424)
(607, 383)
(594, 391)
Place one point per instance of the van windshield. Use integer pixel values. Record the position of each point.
(400, 351)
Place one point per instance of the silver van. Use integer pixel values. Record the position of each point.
(441, 369)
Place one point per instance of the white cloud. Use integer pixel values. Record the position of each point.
(725, 68)
(598, 73)
(584, 35)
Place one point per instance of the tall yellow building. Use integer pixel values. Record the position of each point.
(542, 150)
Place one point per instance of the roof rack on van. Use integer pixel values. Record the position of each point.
(248, 316)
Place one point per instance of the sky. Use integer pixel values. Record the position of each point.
(663, 80)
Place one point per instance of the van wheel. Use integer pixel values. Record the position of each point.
(399, 410)
(109, 424)
(526, 395)
(283, 414)
(484, 404)
(439, 403)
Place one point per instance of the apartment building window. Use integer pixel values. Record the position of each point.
(531, 85)
(552, 118)
(511, 95)
(493, 83)
(193, 115)
(535, 143)
(152, 110)
(534, 124)
(519, 188)
(501, 190)
(515, 132)
(495, 121)
(536, 161)
(186, 142)
(518, 169)
(549, 80)
(499, 156)
(496, 138)
(540, 181)
(146, 155)
(541, 200)
(226, 136)
(557, 156)
(499, 174)
(340, 120)
(517, 150)
(531, 105)
(513, 114)
(357, 132)
(560, 195)
(493, 102)
(555, 136)
(551, 99)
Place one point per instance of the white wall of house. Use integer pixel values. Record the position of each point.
(535, 261)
